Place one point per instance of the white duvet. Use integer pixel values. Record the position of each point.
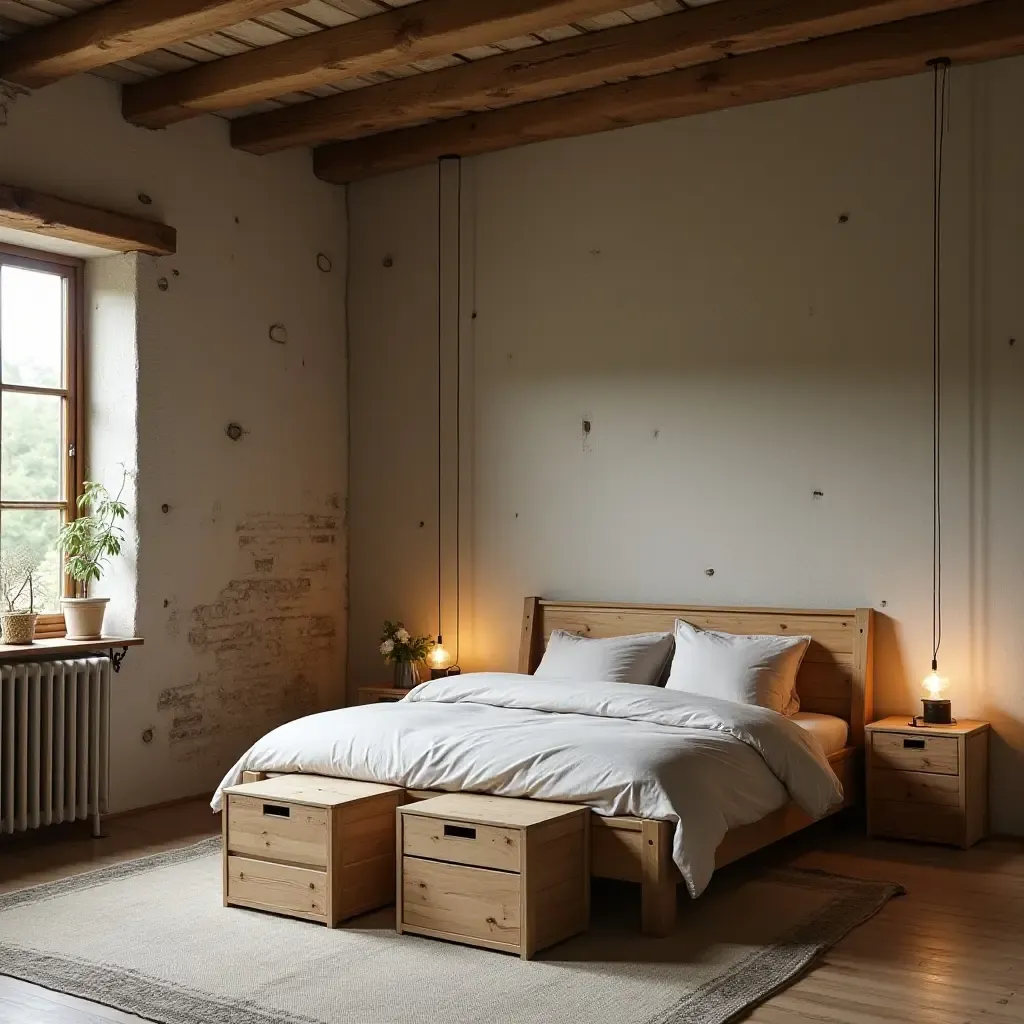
(707, 765)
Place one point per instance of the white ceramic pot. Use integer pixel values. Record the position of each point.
(18, 627)
(83, 616)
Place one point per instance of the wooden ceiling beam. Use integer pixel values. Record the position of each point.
(691, 37)
(985, 31)
(419, 31)
(116, 31)
(28, 210)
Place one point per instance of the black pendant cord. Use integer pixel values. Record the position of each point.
(940, 113)
(458, 413)
(440, 288)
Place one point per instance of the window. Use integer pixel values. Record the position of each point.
(40, 347)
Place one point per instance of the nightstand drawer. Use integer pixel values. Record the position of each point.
(901, 819)
(923, 787)
(936, 754)
(484, 846)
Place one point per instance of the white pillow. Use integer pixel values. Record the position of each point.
(745, 669)
(639, 658)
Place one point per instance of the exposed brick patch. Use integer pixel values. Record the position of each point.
(266, 644)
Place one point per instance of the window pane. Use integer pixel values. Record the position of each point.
(32, 327)
(30, 447)
(29, 538)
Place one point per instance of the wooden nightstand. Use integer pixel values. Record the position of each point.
(928, 783)
(380, 694)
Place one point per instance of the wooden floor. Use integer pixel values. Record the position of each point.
(949, 952)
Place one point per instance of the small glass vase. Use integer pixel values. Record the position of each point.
(406, 675)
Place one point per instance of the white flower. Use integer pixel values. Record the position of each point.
(387, 647)
(402, 636)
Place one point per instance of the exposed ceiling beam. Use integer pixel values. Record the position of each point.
(583, 62)
(27, 210)
(116, 31)
(420, 31)
(985, 31)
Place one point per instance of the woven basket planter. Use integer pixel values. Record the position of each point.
(18, 627)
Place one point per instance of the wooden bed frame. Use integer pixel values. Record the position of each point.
(835, 678)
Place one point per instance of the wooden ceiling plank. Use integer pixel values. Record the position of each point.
(580, 62)
(28, 210)
(323, 13)
(987, 31)
(114, 32)
(421, 31)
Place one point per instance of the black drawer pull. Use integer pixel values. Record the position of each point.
(277, 810)
(913, 744)
(460, 831)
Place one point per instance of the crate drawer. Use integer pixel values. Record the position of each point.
(459, 842)
(460, 901)
(937, 754)
(288, 832)
(278, 887)
(919, 787)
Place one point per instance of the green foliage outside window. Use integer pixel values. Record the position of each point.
(32, 437)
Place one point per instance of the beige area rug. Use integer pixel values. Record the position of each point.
(151, 937)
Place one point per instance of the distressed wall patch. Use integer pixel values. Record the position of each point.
(267, 645)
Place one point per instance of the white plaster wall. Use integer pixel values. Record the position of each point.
(241, 583)
(688, 287)
(112, 403)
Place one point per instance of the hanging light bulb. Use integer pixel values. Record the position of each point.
(439, 660)
(937, 709)
(934, 685)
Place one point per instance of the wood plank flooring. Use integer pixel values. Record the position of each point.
(950, 952)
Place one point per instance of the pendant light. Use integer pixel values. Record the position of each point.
(439, 659)
(937, 710)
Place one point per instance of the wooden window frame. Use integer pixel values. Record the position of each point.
(72, 270)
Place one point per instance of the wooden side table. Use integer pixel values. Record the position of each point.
(380, 694)
(928, 782)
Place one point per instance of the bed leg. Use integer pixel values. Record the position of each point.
(659, 909)
(658, 888)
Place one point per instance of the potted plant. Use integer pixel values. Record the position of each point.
(404, 651)
(88, 543)
(17, 576)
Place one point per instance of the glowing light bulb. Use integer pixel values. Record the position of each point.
(439, 658)
(934, 685)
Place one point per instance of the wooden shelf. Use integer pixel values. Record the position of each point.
(63, 646)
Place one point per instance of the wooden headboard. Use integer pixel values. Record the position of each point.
(834, 679)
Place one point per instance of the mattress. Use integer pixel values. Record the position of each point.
(830, 732)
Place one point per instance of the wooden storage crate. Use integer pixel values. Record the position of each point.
(510, 875)
(308, 846)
